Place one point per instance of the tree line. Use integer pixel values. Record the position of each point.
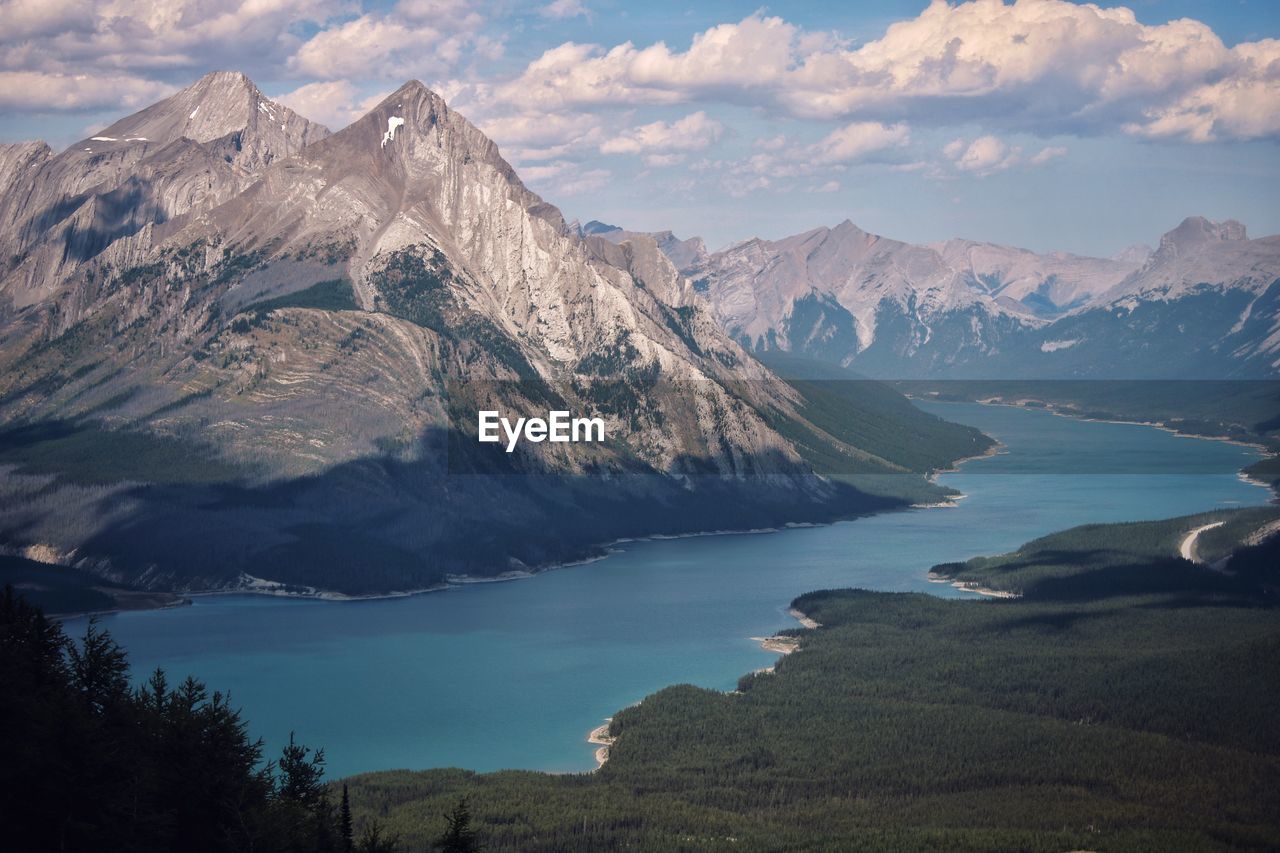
(89, 762)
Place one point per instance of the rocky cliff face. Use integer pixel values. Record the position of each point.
(846, 295)
(101, 198)
(295, 331)
(1203, 305)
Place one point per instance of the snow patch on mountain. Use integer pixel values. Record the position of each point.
(392, 123)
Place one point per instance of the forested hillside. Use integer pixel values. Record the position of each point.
(91, 764)
(1130, 709)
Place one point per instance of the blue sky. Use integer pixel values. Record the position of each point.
(1044, 124)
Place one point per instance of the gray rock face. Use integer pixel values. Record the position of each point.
(463, 287)
(844, 284)
(323, 316)
(1204, 304)
(101, 198)
(683, 253)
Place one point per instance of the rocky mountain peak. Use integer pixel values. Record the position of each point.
(1196, 231)
(217, 105)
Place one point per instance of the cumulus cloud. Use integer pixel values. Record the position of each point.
(1044, 155)
(138, 36)
(984, 156)
(41, 92)
(81, 55)
(333, 103)
(1046, 67)
(582, 181)
(560, 9)
(855, 141)
(691, 133)
(416, 37)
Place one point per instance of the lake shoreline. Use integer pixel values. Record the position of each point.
(1059, 410)
(260, 586)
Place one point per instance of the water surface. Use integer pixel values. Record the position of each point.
(504, 675)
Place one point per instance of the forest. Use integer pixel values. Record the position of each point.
(1130, 706)
(92, 763)
(1126, 700)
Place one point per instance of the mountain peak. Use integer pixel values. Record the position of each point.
(1197, 229)
(217, 105)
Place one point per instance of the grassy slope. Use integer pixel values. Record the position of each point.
(1131, 709)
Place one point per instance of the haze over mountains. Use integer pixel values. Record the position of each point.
(1204, 304)
(284, 335)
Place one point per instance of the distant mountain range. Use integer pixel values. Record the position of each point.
(1204, 304)
(239, 351)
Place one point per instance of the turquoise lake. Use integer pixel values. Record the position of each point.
(514, 675)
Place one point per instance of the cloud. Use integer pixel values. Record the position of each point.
(584, 181)
(44, 92)
(333, 103)
(855, 141)
(657, 161)
(78, 36)
(84, 55)
(828, 187)
(984, 156)
(561, 9)
(1044, 155)
(691, 133)
(418, 37)
(1046, 67)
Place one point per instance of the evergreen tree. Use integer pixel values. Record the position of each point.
(88, 764)
(374, 840)
(344, 822)
(458, 836)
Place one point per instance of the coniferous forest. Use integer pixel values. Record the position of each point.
(1126, 700)
(93, 764)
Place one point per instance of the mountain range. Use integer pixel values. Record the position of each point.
(239, 351)
(1205, 304)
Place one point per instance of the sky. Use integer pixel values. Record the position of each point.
(1045, 124)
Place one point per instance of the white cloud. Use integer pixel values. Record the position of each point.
(983, 156)
(1046, 66)
(584, 181)
(383, 46)
(333, 103)
(560, 9)
(43, 92)
(828, 187)
(691, 133)
(534, 174)
(855, 141)
(78, 36)
(657, 161)
(1044, 155)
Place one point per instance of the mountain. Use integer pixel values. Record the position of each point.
(101, 198)
(682, 253)
(1047, 285)
(274, 384)
(1202, 305)
(841, 294)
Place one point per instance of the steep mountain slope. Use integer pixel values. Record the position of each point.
(1047, 285)
(294, 371)
(683, 253)
(1203, 305)
(101, 198)
(844, 295)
